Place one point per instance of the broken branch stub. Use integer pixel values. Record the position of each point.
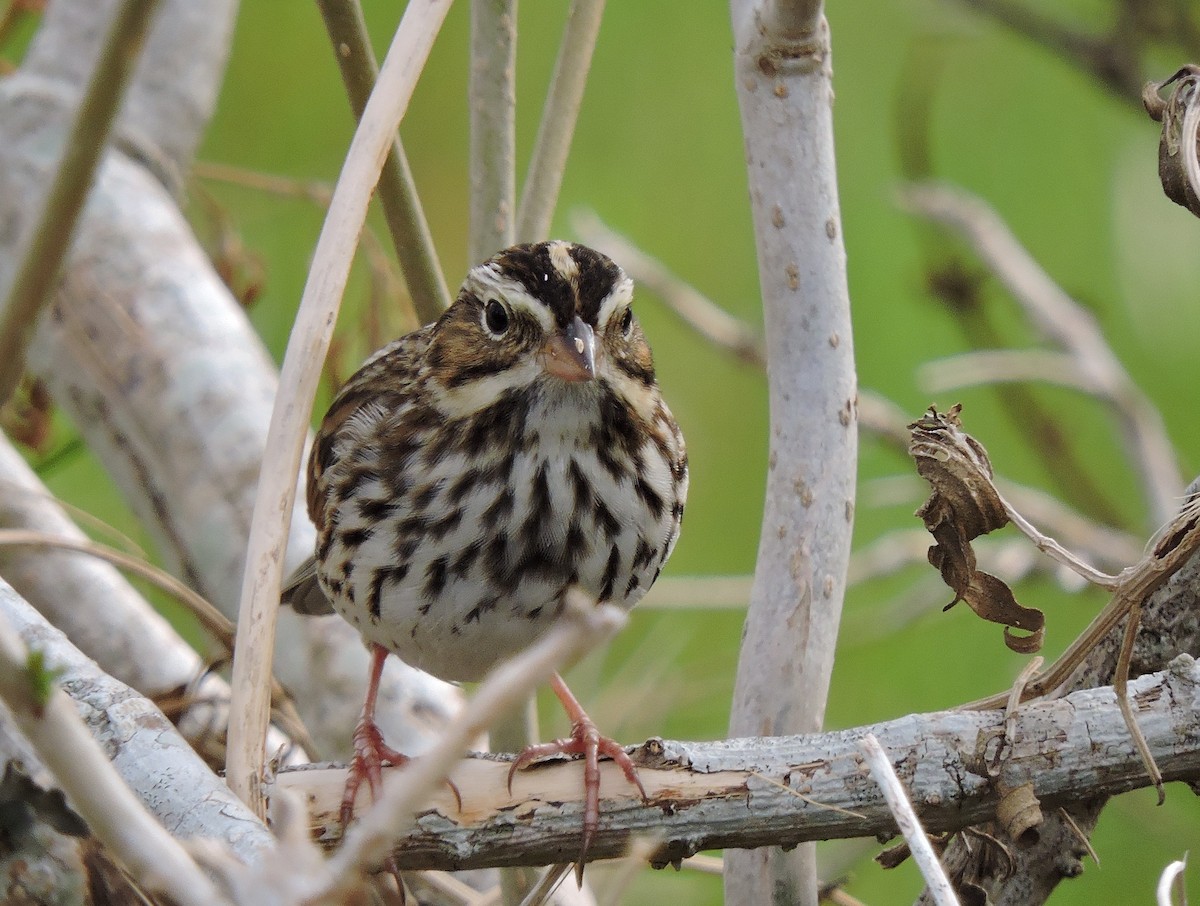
(963, 505)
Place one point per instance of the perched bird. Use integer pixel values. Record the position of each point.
(473, 471)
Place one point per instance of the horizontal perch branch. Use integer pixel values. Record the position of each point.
(742, 793)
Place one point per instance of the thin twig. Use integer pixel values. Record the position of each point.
(397, 189)
(698, 593)
(492, 101)
(1057, 552)
(213, 621)
(84, 145)
(907, 821)
(1015, 695)
(1171, 877)
(445, 887)
(557, 127)
(1069, 326)
(640, 850)
(699, 312)
(1121, 688)
(314, 190)
(1181, 540)
(368, 841)
(706, 865)
(1079, 834)
(298, 383)
(549, 882)
(996, 366)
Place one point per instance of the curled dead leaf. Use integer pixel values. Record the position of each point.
(963, 505)
(1020, 814)
(1177, 144)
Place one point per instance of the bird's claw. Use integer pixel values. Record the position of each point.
(584, 740)
(371, 753)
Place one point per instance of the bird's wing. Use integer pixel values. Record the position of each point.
(303, 592)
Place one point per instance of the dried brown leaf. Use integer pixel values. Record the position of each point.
(1173, 143)
(963, 505)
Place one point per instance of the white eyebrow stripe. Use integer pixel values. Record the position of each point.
(621, 295)
(486, 281)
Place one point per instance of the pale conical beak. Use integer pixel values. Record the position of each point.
(570, 354)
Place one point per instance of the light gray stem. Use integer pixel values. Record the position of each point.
(784, 83)
(492, 95)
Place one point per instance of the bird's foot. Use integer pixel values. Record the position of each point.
(584, 740)
(371, 753)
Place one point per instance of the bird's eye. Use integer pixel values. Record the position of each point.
(495, 317)
(627, 321)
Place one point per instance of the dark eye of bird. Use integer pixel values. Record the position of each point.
(495, 316)
(627, 321)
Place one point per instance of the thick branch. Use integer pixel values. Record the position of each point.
(1169, 628)
(760, 792)
(139, 742)
(784, 78)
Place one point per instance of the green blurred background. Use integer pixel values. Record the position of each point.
(658, 155)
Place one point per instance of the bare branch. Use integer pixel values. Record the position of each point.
(783, 75)
(995, 366)
(49, 720)
(557, 127)
(585, 624)
(1068, 325)
(298, 382)
(142, 747)
(29, 290)
(492, 101)
(697, 311)
(397, 189)
(743, 792)
(698, 593)
(906, 819)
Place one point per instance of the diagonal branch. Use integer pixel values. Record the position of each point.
(557, 127)
(29, 291)
(397, 189)
(1068, 325)
(298, 382)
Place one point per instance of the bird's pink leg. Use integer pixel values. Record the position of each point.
(370, 751)
(584, 740)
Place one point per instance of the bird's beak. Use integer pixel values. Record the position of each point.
(570, 353)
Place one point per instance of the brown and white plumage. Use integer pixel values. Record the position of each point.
(471, 472)
(458, 488)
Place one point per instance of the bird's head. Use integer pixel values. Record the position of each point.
(553, 317)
